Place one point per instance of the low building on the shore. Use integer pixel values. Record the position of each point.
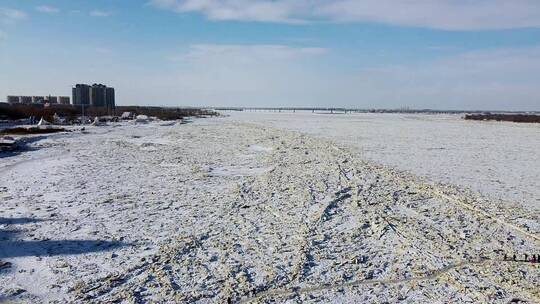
(63, 100)
(26, 99)
(13, 99)
(38, 99)
(51, 99)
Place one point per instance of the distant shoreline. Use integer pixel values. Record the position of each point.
(12, 112)
(332, 110)
(521, 118)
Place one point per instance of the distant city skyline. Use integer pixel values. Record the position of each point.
(438, 54)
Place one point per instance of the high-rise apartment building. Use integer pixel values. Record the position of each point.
(109, 98)
(96, 95)
(81, 94)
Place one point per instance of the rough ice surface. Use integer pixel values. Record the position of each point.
(221, 210)
(498, 159)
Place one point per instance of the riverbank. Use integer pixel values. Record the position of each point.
(218, 210)
(70, 114)
(521, 118)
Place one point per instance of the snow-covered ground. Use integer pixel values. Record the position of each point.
(498, 159)
(220, 210)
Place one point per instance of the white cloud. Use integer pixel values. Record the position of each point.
(8, 15)
(241, 10)
(47, 9)
(438, 14)
(246, 54)
(100, 13)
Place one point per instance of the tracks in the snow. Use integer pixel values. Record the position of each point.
(430, 275)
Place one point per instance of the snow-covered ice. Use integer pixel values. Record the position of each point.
(224, 210)
(498, 159)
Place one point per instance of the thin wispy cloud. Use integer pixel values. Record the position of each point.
(257, 53)
(231, 73)
(104, 51)
(277, 75)
(100, 13)
(47, 9)
(240, 10)
(437, 14)
(493, 79)
(9, 15)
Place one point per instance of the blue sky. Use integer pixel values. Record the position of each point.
(444, 54)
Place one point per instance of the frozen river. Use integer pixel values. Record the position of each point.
(500, 160)
(218, 211)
